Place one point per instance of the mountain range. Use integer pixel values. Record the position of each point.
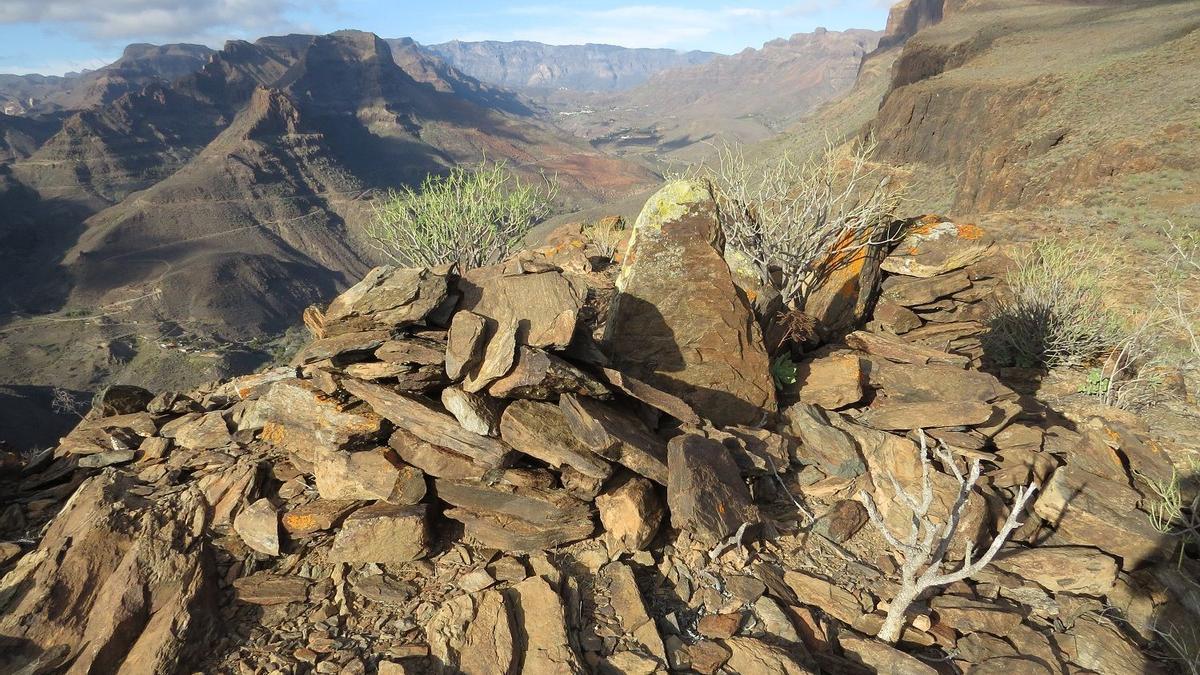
(535, 67)
(139, 65)
(211, 209)
(678, 114)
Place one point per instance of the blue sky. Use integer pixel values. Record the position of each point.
(55, 36)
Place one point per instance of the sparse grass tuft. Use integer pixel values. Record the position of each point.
(1055, 316)
(605, 236)
(474, 216)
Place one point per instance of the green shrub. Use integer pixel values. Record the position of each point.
(783, 370)
(1055, 316)
(473, 216)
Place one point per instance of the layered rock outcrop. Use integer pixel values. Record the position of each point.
(345, 514)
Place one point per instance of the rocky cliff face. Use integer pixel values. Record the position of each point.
(1003, 105)
(533, 65)
(909, 16)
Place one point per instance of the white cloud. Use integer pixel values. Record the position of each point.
(192, 20)
(57, 67)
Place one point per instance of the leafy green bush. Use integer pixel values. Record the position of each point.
(473, 216)
(1055, 316)
(783, 370)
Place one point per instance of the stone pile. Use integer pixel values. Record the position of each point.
(546, 467)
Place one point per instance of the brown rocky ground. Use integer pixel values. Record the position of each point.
(487, 473)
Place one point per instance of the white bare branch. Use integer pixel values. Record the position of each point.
(921, 563)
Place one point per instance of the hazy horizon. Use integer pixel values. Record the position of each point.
(54, 37)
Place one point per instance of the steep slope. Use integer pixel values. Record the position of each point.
(1007, 105)
(1079, 113)
(748, 97)
(234, 240)
(275, 201)
(524, 65)
(139, 65)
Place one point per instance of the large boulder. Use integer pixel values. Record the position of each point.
(842, 293)
(679, 322)
(933, 246)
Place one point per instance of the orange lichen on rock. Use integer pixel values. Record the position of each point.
(969, 231)
(273, 432)
(300, 522)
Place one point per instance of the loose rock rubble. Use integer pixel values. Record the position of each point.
(490, 472)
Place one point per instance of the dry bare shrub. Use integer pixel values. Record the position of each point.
(922, 550)
(474, 216)
(65, 402)
(605, 236)
(795, 221)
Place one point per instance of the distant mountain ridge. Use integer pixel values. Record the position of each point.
(523, 65)
(213, 209)
(677, 114)
(139, 65)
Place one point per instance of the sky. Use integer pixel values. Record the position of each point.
(52, 37)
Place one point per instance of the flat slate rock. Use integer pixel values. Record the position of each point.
(296, 416)
(616, 435)
(428, 424)
(934, 246)
(831, 382)
(413, 350)
(1062, 569)
(264, 588)
(534, 505)
(499, 353)
(537, 374)
(540, 430)
(1087, 510)
(317, 516)
(904, 416)
(678, 321)
(545, 306)
(894, 319)
(914, 292)
(258, 526)
(376, 474)
(705, 490)
(472, 634)
(365, 342)
(383, 533)
(475, 412)
(432, 459)
(932, 382)
(510, 533)
(832, 450)
(651, 396)
(901, 351)
(390, 296)
(464, 344)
